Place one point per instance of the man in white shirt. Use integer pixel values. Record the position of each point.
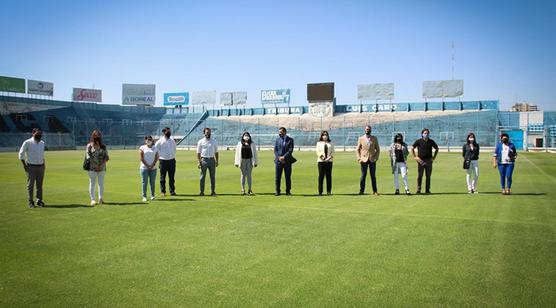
(167, 156)
(207, 158)
(31, 155)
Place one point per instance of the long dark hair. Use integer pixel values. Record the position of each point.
(97, 134)
(246, 133)
(474, 138)
(398, 135)
(325, 132)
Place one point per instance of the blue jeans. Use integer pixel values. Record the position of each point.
(506, 171)
(148, 175)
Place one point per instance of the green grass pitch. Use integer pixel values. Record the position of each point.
(446, 249)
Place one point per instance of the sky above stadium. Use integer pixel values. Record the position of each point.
(502, 49)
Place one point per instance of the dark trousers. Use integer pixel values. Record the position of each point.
(35, 174)
(325, 170)
(427, 168)
(372, 170)
(287, 168)
(167, 166)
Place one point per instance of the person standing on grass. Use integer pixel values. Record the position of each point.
(325, 155)
(31, 155)
(424, 158)
(504, 157)
(98, 155)
(246, 160)
(368, 152)
(470, 153)
(148, 155)
(207, 158)
(283, 160)
(167, 156)
(398, 161)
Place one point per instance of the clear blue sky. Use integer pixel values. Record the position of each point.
(503, 49)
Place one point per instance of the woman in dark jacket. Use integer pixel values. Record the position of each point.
(470, 153)
(504, 158)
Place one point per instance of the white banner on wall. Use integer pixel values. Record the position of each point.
(87, 95)
(226, 98)
(375, 91)
(442, 88)
(203, 98)
(138, 94)
(40, 87)
(239, 98)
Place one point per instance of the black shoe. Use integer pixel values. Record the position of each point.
(31, 205)
(418, 192)
(397, 192)
(40, 203)
(361, 192)
(173, 193)
(288, 193)
(201, 194)
(213, 193)
(250, 192)
(277, 193)
(407, 192)
(328, 193)
(428, 192)
(320, 193)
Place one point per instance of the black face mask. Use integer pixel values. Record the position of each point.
(207, 136)
(505, 140)
(38, 137)
(168, 134)
(96, 140)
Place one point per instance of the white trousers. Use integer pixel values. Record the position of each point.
(472, 175)
(93, 175)
(400, 168)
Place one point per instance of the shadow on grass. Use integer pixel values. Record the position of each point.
(66, 206)
(173, 200)
(122, 203)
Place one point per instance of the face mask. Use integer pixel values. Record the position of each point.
(96, 139)
(149, 142)
(38, 137)
(207, 135)
(425, 136)
(246, 138)
(281, 134)
(505, 140)
(471, 140)
(368, 132)
(168, 134)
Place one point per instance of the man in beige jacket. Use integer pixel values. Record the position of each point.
(368, 152)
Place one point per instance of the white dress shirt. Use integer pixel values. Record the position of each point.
(207, 147)
(166, 148)
(33, 150)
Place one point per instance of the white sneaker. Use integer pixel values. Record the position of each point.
(144, 199)
(93, 202)
(152, 198)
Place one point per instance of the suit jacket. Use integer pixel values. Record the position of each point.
(283, 150)
(367, 151)
(320, 151)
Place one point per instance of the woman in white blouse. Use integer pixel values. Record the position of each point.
(246, 160)
(148, 155)
(325, 155)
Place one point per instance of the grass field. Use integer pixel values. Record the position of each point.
(446, 249)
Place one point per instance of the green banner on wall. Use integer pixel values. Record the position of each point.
(10, 84)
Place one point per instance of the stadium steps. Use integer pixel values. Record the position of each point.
(10, 125)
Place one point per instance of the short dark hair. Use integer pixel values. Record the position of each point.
(205, 129)
(165, 129)
(324, 132)
(35, 130)
(425, 130)
(504, 135)
(283, 128)
(148, 137)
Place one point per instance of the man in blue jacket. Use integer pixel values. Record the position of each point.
(283, 159)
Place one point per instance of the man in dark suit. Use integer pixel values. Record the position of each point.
(283, 159)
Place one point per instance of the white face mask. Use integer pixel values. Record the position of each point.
(471, 139)
(246, 138)
(149, 142)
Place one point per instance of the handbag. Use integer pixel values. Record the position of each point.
(466, 164)
(87, 160)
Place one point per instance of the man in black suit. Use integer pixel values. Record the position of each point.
(283, 159)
